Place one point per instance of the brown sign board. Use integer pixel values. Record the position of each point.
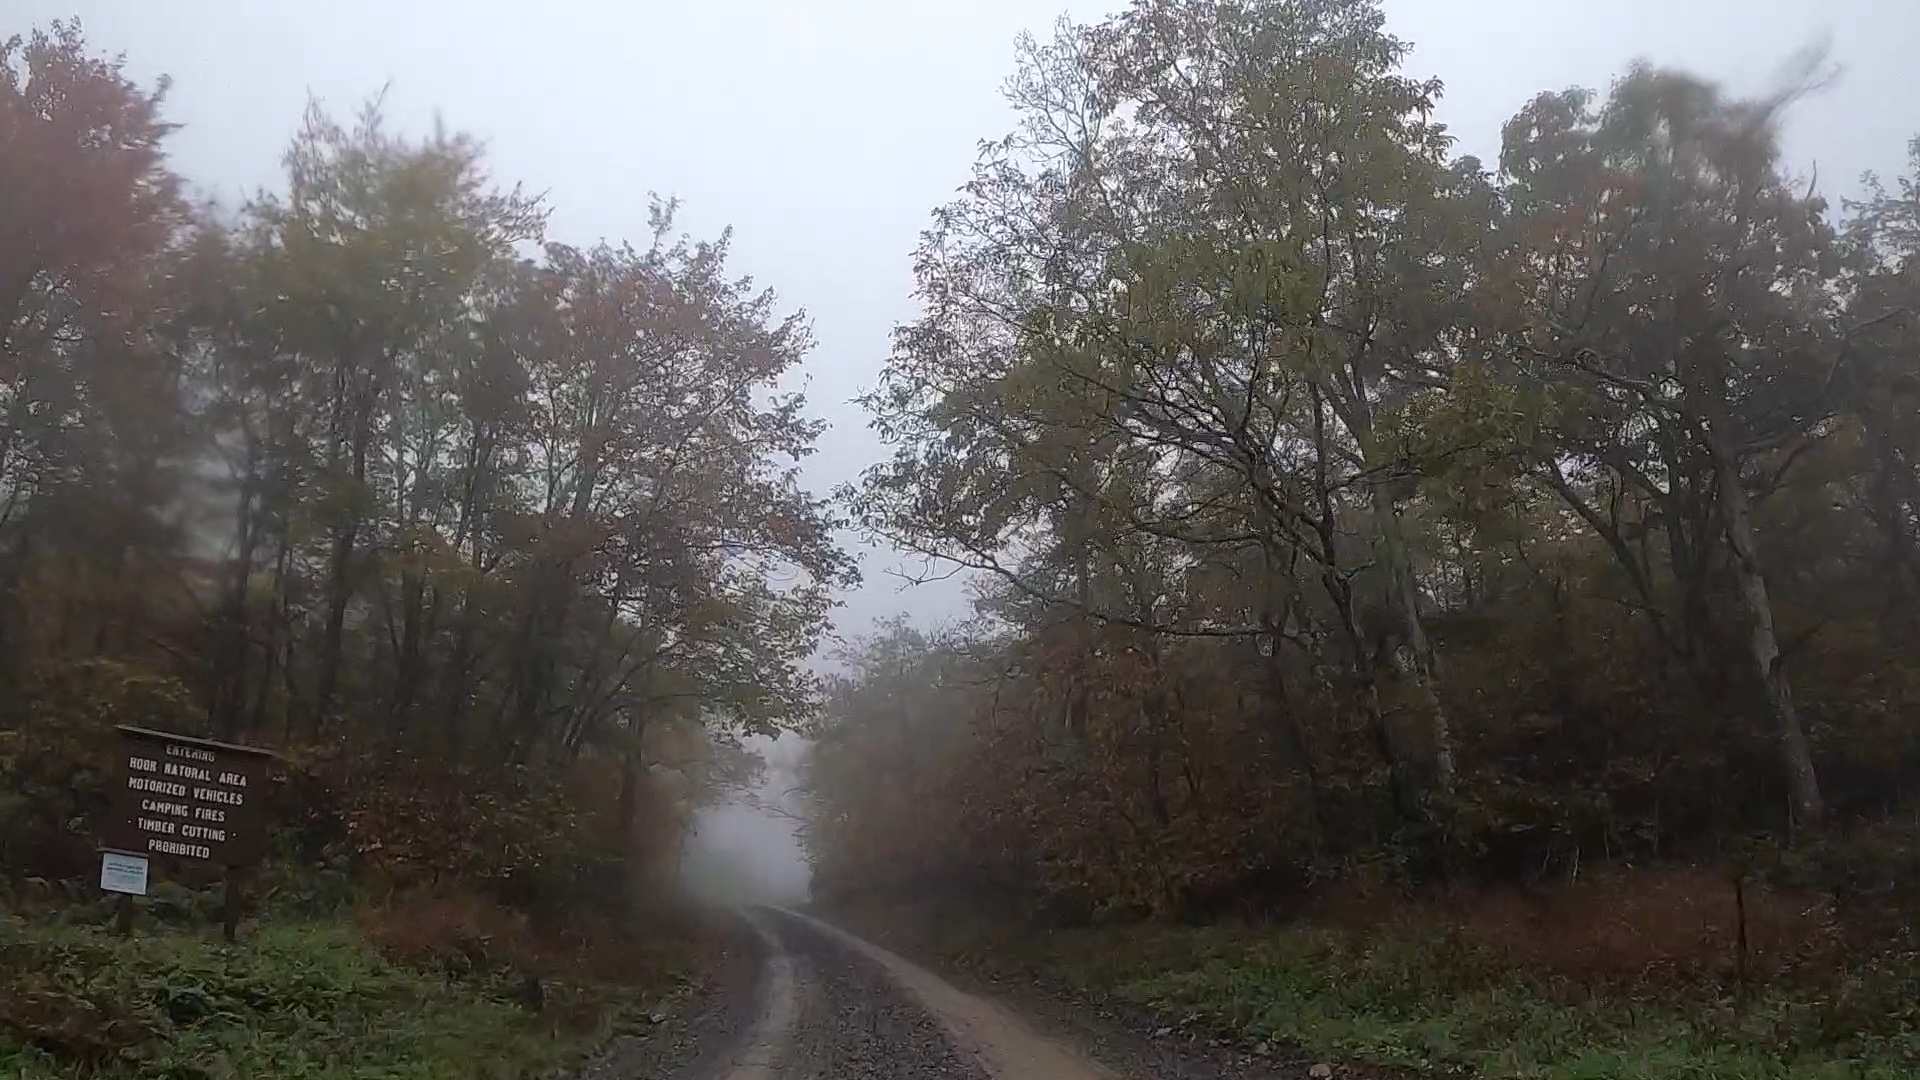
(190, 799)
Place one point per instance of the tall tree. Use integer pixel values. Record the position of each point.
(90, 213)
(1684, 287)
(1881, 385)
(1224, 241)
(369, 260)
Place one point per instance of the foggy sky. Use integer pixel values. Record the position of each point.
(825, 130)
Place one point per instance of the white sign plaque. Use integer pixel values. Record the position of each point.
(123, 873)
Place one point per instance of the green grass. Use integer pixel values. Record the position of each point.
(1429, 1007)
(290, 1001)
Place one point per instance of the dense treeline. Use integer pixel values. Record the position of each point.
(499, 539)
(1338, 502)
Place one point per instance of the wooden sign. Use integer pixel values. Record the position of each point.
(194, 800)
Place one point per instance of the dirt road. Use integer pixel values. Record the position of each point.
(831, 1006)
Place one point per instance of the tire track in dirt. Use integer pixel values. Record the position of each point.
(984, 1033)
(832, 1006)
(855, 1022)
(765, 1046)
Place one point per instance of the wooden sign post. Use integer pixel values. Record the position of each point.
(186, 799)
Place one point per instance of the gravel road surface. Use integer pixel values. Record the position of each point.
(827, 1005)
(830, 1006)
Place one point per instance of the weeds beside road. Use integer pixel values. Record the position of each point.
(294, 999)
(1429, 998)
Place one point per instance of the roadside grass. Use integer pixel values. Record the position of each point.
(312, 1000)
(1430, 1004)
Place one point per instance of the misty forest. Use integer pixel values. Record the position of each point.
(1359, 534)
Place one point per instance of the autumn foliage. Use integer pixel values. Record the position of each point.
(1345, 512)
(497, 540)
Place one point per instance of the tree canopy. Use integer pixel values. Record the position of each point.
(1340, 501)
(500, 539)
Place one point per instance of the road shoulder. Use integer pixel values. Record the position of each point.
(696, 1040)
(1121, 1039)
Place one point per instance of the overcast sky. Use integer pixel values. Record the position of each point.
(825, 130)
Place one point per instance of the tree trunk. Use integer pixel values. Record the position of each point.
(1339, 586)
(636, 799)
(1896, 505)
(1293, 736)
(1356, 412)
(1804, 804)
(276, 649)
(455, 686)
(408, 666)
(339, 581)
(1079, 688)
(1406, 799)
(455, 683)
(1423, 669)
(1154, 715)
(230, 675)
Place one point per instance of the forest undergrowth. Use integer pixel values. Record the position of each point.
(418, 988)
